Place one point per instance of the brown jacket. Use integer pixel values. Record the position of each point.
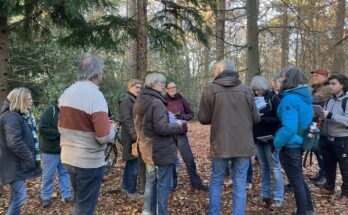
(229, 107)
(154, 132)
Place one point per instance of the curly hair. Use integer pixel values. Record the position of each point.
(342, 79)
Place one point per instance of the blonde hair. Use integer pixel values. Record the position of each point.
(133, 82)
(18, 98)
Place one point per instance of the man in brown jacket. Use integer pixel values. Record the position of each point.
(229, 107)
(321, 92)
(156, 143)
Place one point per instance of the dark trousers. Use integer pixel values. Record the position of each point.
(335, 152)
(291, 160)
(319, 155)
(187, 156)
(130, 175)
(86, 184)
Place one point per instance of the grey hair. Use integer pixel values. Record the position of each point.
(226, 65)
(293, 77)
(259, 82)
(153, 78)
(90, 67)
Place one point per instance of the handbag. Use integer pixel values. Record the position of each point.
(135, 150)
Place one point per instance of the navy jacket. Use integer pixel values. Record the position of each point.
(17, 155)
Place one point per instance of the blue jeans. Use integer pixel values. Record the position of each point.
(18, 196)
(239, 175)
(187, 156)
(159, 183)
(86, 184)
(51, 163)
(130, 175)
(270, 166)
(250, 172)
(291, 160)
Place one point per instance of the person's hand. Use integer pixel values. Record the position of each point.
(113, 125)
(30, 163)
(178, 115)
(325, 113)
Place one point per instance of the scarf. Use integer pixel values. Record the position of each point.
(32, 125)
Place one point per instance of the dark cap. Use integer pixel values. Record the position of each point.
(321, 71)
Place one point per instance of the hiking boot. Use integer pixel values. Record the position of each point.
(259, 199)
(276, 205)
(201, 187)
(68, 199)
(327, 192)
(46, 203)
(135, 196)
(343, 200)
(315, 177)
(321, 182)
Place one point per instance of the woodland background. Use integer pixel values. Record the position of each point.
(41, 41)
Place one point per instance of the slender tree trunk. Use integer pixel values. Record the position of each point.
(338, 52)
(141, 39)
(220, 30)
(253, 58)
(4, 58)
(132, 14)
(285, 38)
(206, 66)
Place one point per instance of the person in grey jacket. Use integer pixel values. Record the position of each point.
(334, 139)
(18, 158)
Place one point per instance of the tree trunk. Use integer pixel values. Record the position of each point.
(285, 38)
(131, 13)
(206, 66)
(338, 52)
(220, 30)
(141, 39)
(253, 58)
(4, 57)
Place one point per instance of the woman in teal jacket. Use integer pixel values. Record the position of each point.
(296, 113)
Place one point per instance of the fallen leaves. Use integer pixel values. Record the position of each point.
(183, 201)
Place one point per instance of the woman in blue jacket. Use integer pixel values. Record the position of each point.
(296, 113)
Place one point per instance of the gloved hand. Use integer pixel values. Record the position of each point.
(178, 115)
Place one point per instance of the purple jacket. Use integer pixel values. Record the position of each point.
(178, 104)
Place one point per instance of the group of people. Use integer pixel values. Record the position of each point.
(260, 119)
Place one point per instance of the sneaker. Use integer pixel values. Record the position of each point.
(259, 199)
(68, 199)
(327, 192)
(46, 203)
(124, 191)
(321, 182)
(249, 186)
(343, 200)
(135, 196)
(276, 205)
(201, 187)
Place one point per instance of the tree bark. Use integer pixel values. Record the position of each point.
(285, 38)
(338, 51)
(220, 30)
(253, 58)
(132, 14)
(141, 39)
(4, 58)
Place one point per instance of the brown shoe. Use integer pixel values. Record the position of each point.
(343, 200)
(327, 192)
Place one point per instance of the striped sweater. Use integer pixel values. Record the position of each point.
(84, 125)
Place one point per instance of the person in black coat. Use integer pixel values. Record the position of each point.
(19, 157)
(128, 137)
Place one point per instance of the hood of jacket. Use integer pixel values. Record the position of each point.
(227, 79)
(303, 92)
(5, 106)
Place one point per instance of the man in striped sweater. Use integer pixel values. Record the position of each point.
(85, 128)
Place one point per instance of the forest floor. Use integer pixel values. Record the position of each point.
(183, 200)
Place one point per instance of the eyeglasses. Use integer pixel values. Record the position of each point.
(169, 88)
